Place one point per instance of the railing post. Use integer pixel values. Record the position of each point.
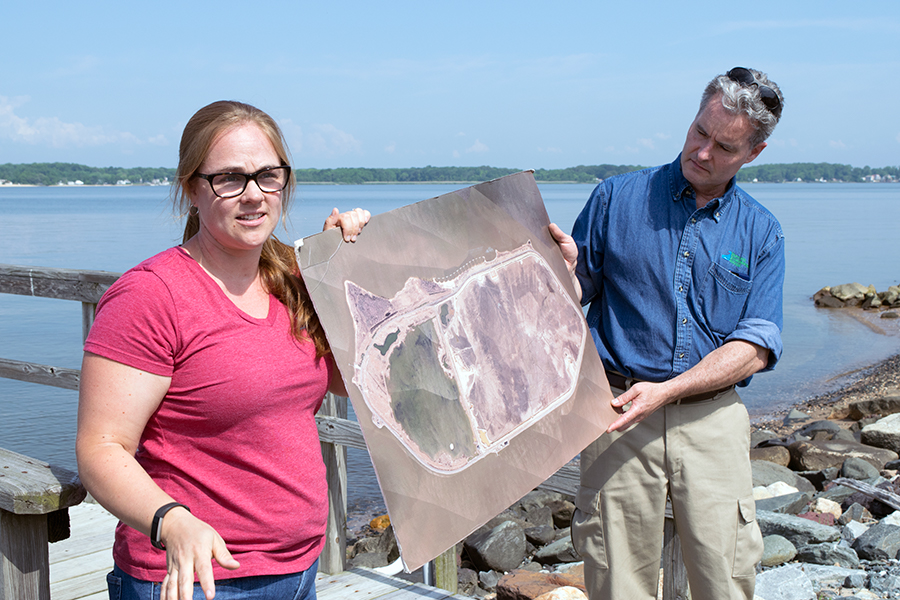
(675, 584)
(334, 554)
(445, 574)
(87, 318)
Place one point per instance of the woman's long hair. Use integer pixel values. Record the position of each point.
(277, 266)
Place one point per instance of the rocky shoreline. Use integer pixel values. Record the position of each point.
(824, 537)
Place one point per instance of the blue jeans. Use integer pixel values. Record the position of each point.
(295, 586)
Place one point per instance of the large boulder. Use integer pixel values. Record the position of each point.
(815, 455)
(886, 405)
(501, 549)
(879, 542)
(884, 433)
(852, 294)
(828, 554)
(784, 583)
(797, 530)
(766, 473)
(526, 585)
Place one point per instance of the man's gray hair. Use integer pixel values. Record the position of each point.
(745, 99)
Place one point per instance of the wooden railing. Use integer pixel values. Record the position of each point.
(26, 546)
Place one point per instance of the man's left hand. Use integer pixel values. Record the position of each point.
(645, 399)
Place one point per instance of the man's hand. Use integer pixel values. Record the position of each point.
(350, 222)
(645, 399)
(570, 253)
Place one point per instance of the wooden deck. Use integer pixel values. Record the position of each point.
(78, 567)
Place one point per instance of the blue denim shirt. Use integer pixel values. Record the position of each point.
(668, 283)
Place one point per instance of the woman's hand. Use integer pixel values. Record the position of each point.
(191, 545)
(350, 222)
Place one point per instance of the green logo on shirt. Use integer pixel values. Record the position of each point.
(737, 261)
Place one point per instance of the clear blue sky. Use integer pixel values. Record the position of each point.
(413, 83)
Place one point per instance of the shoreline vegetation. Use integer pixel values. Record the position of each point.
(70, 174)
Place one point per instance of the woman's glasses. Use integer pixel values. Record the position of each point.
(229, 185)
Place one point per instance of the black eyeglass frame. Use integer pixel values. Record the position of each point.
(248, 177)
(769, 97)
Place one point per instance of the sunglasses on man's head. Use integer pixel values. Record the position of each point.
(766, 94)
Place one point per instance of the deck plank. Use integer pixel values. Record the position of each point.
(79, 564)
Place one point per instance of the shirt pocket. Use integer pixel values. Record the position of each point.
(587, 527)
(723, 299)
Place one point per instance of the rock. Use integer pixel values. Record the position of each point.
(816, 426)
(779, 455)
(562, 513)
(817, 455)
(564, 593)
(499, 549)
(539, 498)
(851, 531)
(539, 516)
(777, 550)
(852, 294)
(382, 543)
(525, 585)
(824, 505)
(820, 478)
(880, 542)
(893, 518)
(766, 473)
(845, 434)
(467, 581)
(826, 576)
(883, 406)
(857, 468)
(560, 551)
(856, 512)
(380, 523)
(773, 490)
(828, 554)
(885, 433)
(836, 492)
(761, 435)
(820, 518)
(794, 417)
(855, 580)
(824, 299)
(370, 560)
(883, 583)
(489, 579)
(796, 530)
(784, 583)
(540, 536)
(789, 504)
(890, 314)
(894, 465)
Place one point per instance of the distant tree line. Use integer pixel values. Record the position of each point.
(815, 172)
(54, 173)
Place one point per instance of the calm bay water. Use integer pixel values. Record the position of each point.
(836, 233)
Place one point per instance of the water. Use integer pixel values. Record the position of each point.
(836, 233)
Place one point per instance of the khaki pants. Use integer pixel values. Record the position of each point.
(698, 455)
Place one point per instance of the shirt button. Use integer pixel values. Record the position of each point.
(693, 220)
(680, 288)
(686, 253)
(684, 321)
(681, 355)
(718, 214)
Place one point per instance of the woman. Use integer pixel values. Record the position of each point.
(201, 377)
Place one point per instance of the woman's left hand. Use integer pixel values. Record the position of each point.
(350, 222)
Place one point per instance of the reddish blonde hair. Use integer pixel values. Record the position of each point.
(277, 266)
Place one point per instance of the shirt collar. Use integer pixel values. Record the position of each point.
(682, 189)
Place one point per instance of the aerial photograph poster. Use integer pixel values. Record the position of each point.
(467, 359)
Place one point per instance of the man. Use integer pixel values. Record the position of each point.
(683, 271)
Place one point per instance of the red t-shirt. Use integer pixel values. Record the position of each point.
(235, 437)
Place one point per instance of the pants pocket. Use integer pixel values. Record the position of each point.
(114, 585)
(748, 545)
(587, 528)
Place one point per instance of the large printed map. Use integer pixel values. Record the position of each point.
(466, 356)
(490, 350)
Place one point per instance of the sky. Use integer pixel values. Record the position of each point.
(465, 83)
